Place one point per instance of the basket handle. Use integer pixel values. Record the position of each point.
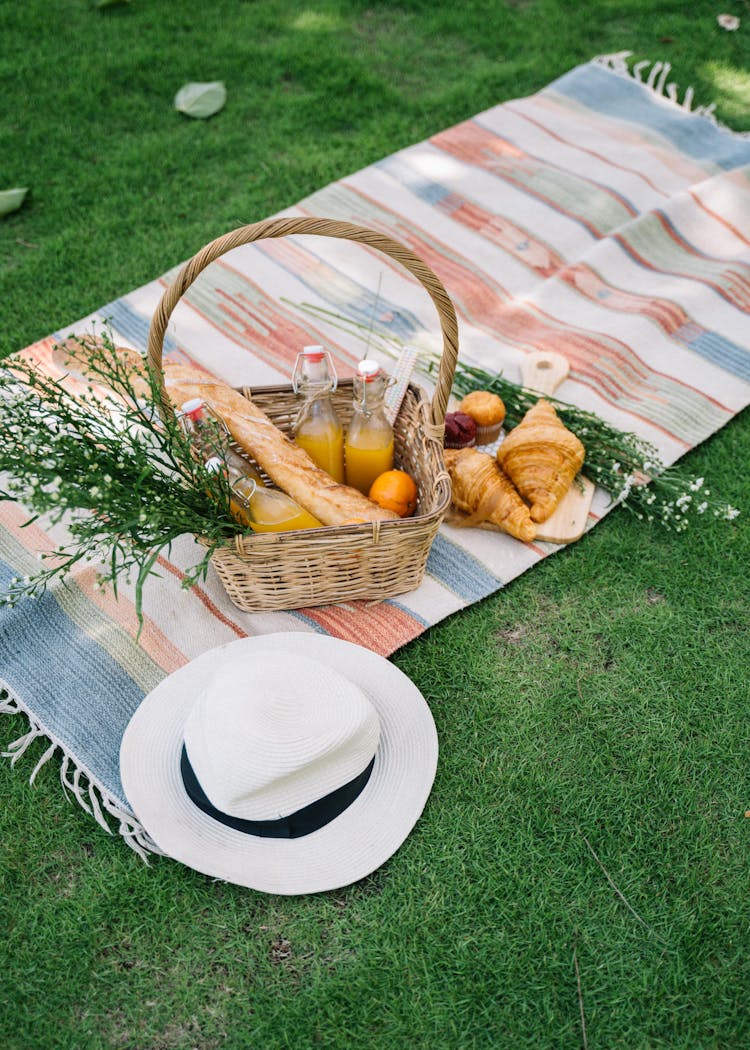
(285, 227)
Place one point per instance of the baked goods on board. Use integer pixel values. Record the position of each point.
(460, 431)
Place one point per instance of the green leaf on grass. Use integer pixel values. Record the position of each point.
(11, 200)
(201, 100)
(110, 3)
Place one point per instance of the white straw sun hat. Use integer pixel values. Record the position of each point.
(289, 763)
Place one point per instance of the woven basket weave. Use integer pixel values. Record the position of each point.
(340, 563)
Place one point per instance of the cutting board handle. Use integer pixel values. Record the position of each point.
(543, 371)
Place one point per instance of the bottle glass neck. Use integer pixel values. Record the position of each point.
(242, 486)
(369, 394)
(313, 373)
(315, 380)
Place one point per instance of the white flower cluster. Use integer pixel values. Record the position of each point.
(669, 500)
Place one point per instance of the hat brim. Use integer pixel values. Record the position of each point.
(347, 849)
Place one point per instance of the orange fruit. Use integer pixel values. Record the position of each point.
(395, 490)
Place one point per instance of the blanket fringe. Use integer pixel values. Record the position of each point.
(90, 794)
(656, 79)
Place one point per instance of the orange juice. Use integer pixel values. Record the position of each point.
(255, 506)
(369, 439)
(323, 441)
(241, 512)
(318, 428)
(365, 461)
(272, 511)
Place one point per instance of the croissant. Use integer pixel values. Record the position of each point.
(482, 489)
(541, 457)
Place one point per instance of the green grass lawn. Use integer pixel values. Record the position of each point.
(585, 846)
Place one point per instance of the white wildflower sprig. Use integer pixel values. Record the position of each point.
(124, 480)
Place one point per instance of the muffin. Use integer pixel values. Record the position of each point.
(460, 430)
(488, 412)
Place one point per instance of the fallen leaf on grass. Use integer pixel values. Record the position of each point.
(11, 200)
(201, 100)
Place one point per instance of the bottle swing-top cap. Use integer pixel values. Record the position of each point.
(215, 465)
(193, 408)
(196, 414)
(368, 370)
(315, 367)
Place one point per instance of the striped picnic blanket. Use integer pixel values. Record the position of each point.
(598, 218)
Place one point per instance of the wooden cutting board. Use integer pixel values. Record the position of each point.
(543, 372)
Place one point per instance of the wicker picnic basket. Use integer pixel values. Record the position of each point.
(340, 563)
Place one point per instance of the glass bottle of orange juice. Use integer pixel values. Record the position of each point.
(368, 450)
(261, 509)
(318, 429)
(252, 504)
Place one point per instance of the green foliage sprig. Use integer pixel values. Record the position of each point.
(125, 479)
